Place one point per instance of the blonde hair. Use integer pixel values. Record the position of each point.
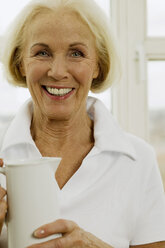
(90, 13)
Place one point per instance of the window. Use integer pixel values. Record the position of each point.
(155, 18)
(138, 100)
(12, 97)
(155, 51)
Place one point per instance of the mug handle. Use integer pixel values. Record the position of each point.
(2, 171)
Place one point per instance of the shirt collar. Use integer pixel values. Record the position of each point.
(107, 133)
(19, 129)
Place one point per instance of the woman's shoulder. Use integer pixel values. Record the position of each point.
(145, 152)
(139, 143)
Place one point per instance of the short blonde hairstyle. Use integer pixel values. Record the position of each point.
(90, 13)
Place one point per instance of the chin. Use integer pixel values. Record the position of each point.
(58, 116)
(59, 113)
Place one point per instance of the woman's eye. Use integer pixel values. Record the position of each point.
(42, 53)
(77, 54)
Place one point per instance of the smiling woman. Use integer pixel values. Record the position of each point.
(109, 187)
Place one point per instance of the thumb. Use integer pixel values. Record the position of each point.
(1, 162)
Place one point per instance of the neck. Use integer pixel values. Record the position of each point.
(55, 138)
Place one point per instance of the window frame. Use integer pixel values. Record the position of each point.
(130, 96)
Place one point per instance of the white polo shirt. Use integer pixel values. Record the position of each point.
(117, 193)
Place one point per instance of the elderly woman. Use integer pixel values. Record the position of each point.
(111, 191)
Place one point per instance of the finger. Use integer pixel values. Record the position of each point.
(2, 193)
(55, 243)
(59, 226)
(3, 210)
(1, 162)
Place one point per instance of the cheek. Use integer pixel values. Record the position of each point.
(35, 72)
(82, 73)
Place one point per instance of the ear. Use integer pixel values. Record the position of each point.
(22, 69)
(96, 71)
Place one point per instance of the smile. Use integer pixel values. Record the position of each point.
(58, 92)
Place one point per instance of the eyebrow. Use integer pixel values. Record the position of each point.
(78, 43)
(72, 45)
(39, 44)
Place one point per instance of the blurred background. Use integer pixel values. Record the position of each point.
(138, 100)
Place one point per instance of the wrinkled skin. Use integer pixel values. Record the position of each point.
(72, 236)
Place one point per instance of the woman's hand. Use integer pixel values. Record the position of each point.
(72, 236)
(3, 204)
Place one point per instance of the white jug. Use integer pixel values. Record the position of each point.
(32, 198)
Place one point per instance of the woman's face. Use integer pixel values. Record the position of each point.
(59, 63)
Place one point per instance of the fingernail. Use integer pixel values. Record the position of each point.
(39, 232)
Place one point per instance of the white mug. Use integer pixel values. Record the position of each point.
(32, 198)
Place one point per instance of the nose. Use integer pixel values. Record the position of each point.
(58, 68)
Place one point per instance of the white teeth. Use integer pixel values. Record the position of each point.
(58, 92)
